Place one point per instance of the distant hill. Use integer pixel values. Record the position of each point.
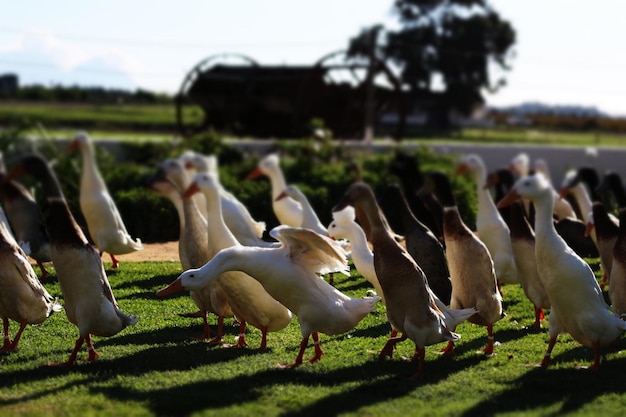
(535, 108)
(563, 117)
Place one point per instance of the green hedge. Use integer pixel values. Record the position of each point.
(322, 172)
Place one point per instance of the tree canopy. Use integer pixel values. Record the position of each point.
(444, 48)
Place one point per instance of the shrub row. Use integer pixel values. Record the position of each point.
(322, 173)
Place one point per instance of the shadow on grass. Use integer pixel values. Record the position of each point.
(379, 381)
(382, 329)
(567, 389)
(150, 284)
(354, 285)
(173, 357)
(502, 337)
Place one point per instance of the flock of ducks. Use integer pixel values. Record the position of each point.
(431, 273)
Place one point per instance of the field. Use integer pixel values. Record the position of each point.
(156, 119)
(133, 122)
(157, 368)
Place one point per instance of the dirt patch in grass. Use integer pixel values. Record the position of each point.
(166, 251)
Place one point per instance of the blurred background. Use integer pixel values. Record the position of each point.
(555, 64)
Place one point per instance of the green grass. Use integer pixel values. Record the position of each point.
(539, 136)
(140, 122)
(156, 368)
(119, 117)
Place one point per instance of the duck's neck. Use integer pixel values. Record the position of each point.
(443, 190)
(453, 224)
(519, 226)
(91, 174)
(582, 198)
(361, 253)
(50, 184)
(485, 201)
(409, 221)
(278, 182)
(309, 216)
(190, 210)
(544, 223)
(223, 261)
(219, 233)
(174, 197)
(237, 258)
(370, 208)
(61, 225)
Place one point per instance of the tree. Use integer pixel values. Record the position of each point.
(445, 49)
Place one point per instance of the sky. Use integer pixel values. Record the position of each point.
(567, 52)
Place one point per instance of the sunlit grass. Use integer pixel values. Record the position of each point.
(158, 122)
(157, 368)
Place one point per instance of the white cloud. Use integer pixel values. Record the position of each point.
(42, 48)
(64, 54)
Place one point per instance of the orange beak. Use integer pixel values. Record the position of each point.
(256, 173)
(461, 169)
(509, 198)
(563, 192)
(173, 288)
(193, 188)
(73, 146)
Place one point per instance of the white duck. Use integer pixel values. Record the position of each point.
(104, 221)
(491, 228)
(249, 301)
(577, 304)
(344, 226)
(246, 229)
(290, 274)
(22, 296)
(520, 165)
(194, 251)
(411, 307)
(287, 210)
(571, 184)
(89, 301)
(310, 220)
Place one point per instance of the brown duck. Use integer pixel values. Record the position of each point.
(412, 308)
(471, 267)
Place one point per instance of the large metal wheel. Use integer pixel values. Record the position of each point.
(347, 77)
(191, 114)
